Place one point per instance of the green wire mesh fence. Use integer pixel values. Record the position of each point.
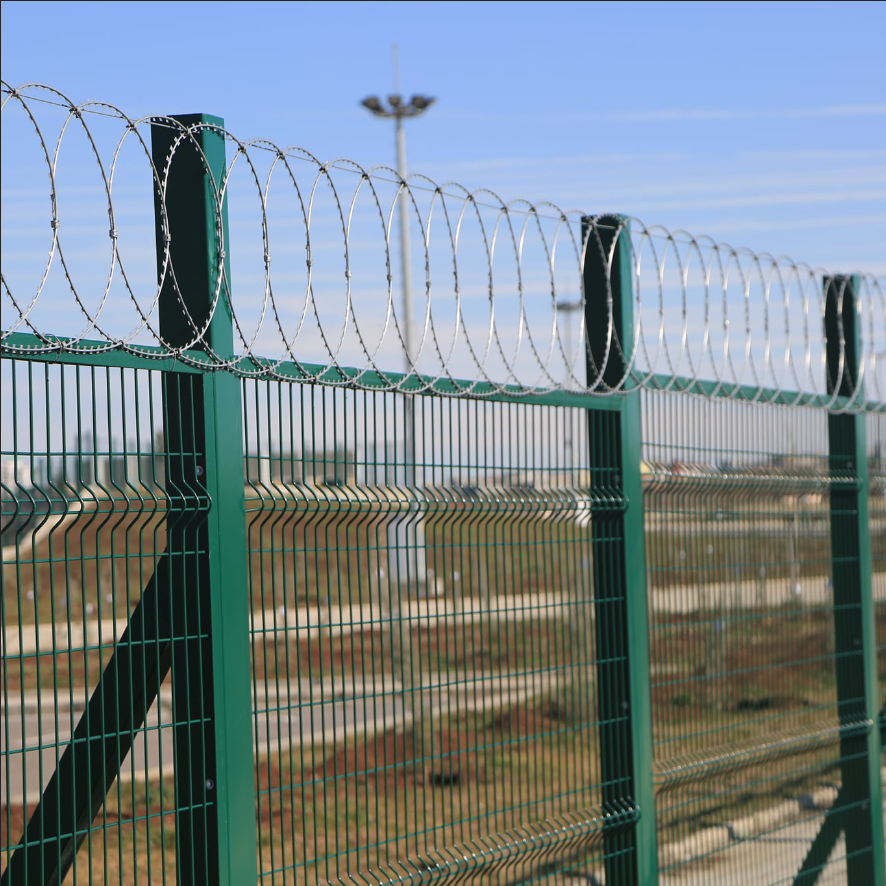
(290, 622)
(423, 652)
(85, 536)
(748, 720)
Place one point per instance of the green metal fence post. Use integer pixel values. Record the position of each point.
(212, 702)
(619, 565)
(856, 645)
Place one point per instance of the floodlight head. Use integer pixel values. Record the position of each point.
(394, 101)
(373, 104)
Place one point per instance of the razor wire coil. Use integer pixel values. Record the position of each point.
(704, 311)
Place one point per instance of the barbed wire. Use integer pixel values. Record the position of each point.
(501, 307)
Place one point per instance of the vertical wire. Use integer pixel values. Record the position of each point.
(63, 494)
(293, 673)
(124, 519)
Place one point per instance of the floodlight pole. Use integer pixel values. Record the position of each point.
(405, 264)
(399, 110)
(406, 538)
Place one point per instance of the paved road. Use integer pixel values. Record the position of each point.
(319, 711)
(305, 713)
(768, 858)
(313, 713)
(333, 621)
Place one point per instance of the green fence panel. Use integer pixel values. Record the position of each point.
(745, 711)
(300, 623)
(425, 695)
(83, 541)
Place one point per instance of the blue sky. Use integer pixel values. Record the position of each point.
(761, 124)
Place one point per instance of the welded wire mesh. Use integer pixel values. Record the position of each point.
(84, 516)
(423, 651)
(747, 723)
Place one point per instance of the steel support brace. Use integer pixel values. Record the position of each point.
(211, 667)
(622, 630)
(861, 796)
(820, 851)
